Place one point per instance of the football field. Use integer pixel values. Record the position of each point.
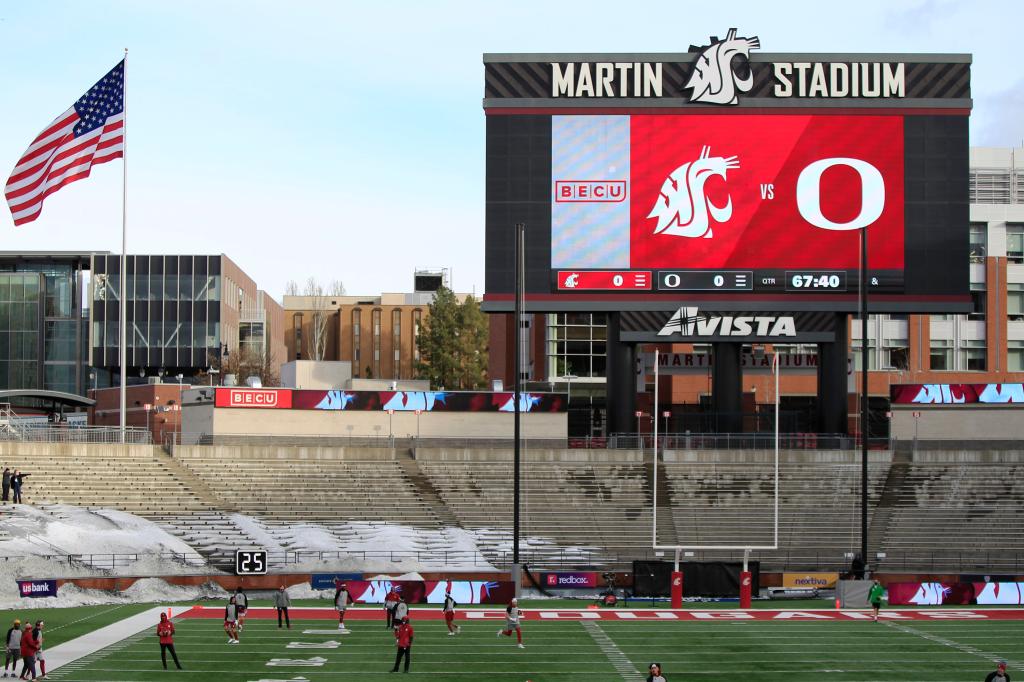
(563, 647)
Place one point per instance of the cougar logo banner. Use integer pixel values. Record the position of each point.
(714, 80)
(683, 209)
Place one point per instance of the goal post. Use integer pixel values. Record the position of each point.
(746, 548)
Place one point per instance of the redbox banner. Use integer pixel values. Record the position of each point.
(258, 398)
(955, 394)
(568, 581)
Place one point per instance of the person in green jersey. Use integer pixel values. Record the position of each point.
(875, 597)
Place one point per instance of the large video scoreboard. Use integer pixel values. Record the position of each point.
(729, 176)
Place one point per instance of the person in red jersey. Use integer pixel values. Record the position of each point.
(165, 631)
(403, 640)
(390, 602)
(449, 614)
(513, 615)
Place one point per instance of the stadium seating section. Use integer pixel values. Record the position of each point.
(579, 507)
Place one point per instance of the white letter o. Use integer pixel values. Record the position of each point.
(808, 194)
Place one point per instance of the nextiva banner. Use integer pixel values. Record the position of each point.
(934, 594)
(37, 588)
(420, 591)
(956, 394)
(818, 581)
(564, 581)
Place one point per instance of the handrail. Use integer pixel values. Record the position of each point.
(28, 432)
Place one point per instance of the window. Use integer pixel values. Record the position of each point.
(357, 339)
(979, 242)
(973, 356)
(417, 318)
(1015, 242)
(1015, 302)
(941, 355)
(576, 345)
(990, 186)
(897, 354)
(978, 296)
(297, 327)
(858, 356)
(1015, 356)
(376, 343)
(396, 342)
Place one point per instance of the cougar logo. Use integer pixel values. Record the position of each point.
(682, 207)
(714, 81)
(572, 281)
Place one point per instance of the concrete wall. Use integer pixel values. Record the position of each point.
(84, 450)
(959, 422)
(238, 452)
(374, 424)
(768, 456)
(309, 374)
(528, 454)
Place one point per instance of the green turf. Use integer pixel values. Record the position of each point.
(937, 651)
(64, 624)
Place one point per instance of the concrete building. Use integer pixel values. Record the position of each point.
(566, 351)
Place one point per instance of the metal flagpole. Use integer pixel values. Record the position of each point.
(864, 412)
(124, 250)
(520, 288)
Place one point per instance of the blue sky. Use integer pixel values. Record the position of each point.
(346, 140)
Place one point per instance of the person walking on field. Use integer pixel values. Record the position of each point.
(401, 611)
(7, 484)
(29, 647)
(655, 676)
(513, 614)
(165, 631)
(342, 600)
(242, 602)
(13, 643)
(999, 674)
(875, 597)
(281, 602)
(390, 601)
(449, 614)
(231, 621)
(403, 640)
(37, 633)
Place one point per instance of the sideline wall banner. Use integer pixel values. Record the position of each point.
(568, 581)
(37, 588)
(818, 581)
(934, 594)
(421, 591)
(955, 394)
(384, 401)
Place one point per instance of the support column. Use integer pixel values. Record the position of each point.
(727, 387)
(621, 385)
(832, 380)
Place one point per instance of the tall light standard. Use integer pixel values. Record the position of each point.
(568, 386)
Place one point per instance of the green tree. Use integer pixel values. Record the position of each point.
(453, 343)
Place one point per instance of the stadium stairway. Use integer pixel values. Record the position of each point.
(428, 493)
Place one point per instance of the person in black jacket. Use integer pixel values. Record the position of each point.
(7, 484)
(16, 482)
(999, 674)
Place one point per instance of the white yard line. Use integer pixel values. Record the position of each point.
(90, 643)
(612, 652)
(965, 648)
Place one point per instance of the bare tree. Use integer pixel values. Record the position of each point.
(337, 288)
(291, 288)
(250, 362)
(318, 332)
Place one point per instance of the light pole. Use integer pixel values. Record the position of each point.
(568, 387)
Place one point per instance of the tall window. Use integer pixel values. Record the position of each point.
(396, 342)
(1015, 302)
(897, 354)
(941, 355)
(858, 357)
(973, 356)
(978, 296)
(979, 242)
(357, 339)
(1015, 242)
(417, 318)
(297, 327)
(1015, 356)
(376, 343)
(576, 345)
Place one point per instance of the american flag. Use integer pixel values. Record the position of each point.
(89, 133)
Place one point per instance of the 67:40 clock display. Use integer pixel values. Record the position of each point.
(810, 279)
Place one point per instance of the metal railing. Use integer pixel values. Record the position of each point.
(938, 561)
(616, 441)
(69, 433)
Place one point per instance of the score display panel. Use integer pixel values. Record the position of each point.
(758, 206)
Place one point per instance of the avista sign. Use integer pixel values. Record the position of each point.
(691, 322)
(721, 73)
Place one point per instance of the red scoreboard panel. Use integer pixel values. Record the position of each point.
(604, 280)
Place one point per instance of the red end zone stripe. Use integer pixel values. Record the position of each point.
(702, 615)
